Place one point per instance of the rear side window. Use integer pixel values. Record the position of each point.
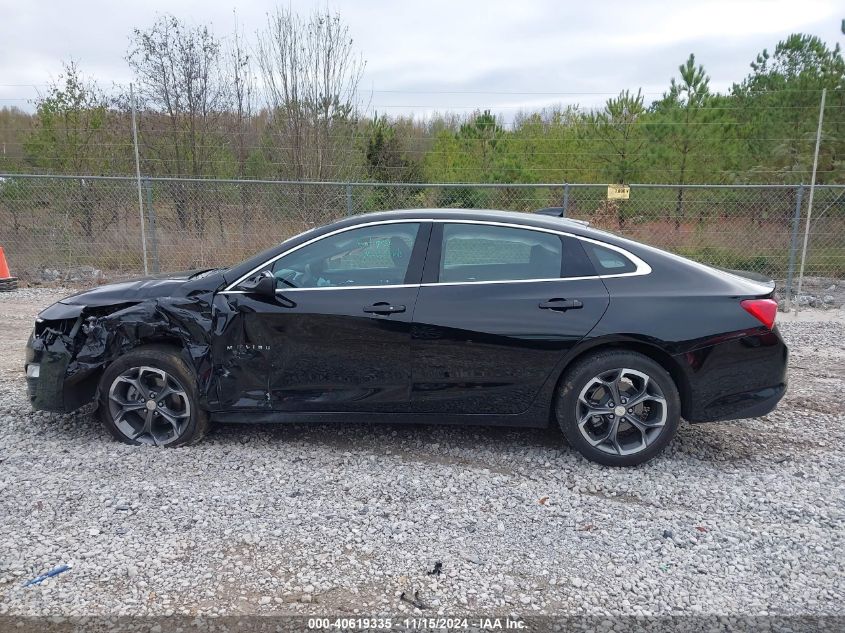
(608, 261)
(478, 252)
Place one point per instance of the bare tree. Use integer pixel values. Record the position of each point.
(311, 73)
(182, 81)
(243, 94)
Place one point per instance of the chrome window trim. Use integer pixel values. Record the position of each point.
(642, 268)
(522, 281)
(284, 291)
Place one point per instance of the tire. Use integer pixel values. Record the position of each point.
(586, 417)
(149, 396)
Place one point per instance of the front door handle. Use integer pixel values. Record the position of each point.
(561, 304)
(382, 307)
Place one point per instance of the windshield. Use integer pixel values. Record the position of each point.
(271, 251)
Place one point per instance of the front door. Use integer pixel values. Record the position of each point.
(338, 329)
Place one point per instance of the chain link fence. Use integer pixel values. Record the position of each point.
(70, 228)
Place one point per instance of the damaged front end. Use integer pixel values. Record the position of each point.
(72, 344)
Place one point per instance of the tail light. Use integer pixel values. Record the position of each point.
(764, 310)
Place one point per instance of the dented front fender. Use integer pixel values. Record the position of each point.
(73, 344)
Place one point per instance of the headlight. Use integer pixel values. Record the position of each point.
(33, 370)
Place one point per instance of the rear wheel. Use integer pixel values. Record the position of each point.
(149, 396)
(618, 408)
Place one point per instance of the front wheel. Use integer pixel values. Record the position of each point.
(618, 408)
(149, 396)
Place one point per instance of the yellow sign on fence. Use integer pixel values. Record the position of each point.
(618, 192)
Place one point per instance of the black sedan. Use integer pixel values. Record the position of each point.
(428, 315)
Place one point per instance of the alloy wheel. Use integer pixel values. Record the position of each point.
(621, 411)
(148, 405)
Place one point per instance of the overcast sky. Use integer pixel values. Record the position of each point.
(437, 55)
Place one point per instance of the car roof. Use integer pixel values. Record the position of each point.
(490, 215)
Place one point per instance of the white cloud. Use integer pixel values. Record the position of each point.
(428, 48)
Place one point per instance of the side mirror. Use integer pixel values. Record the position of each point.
(264, 285)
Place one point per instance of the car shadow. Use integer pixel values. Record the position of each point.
(716, 443)
(375, 435)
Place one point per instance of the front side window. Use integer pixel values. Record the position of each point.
(376, 255)
(479, 252)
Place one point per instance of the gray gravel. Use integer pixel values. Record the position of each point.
(740, 518)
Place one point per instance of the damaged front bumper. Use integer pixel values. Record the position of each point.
(55, 382)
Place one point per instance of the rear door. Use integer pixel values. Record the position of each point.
(499, 306)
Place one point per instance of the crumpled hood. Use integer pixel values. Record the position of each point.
(164, 285)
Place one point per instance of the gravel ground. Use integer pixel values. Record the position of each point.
(742, 517)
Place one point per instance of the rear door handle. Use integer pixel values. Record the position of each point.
(382, 307)
(561, 304)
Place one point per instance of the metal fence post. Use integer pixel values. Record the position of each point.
(793, 243)
(810, 200)
(349, 209)
(138, 177)
(565, 199)
(151, 219)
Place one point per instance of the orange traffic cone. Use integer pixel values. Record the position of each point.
(7, 282)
